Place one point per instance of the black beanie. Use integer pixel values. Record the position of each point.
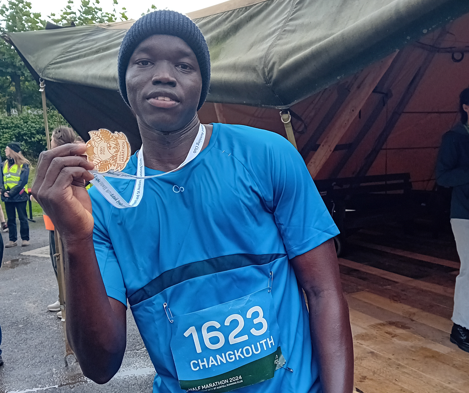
(15, 146)
(165, 23)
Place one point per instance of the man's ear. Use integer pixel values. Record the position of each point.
(465, 107)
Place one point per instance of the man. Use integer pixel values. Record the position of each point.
(452, 170)
(211, 258)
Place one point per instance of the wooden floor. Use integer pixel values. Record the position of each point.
(400, 291)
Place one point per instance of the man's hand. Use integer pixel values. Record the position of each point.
(60, 190)
(96, 324)
(6, 194)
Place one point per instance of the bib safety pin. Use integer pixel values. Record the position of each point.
(271, 281)
(168, 313)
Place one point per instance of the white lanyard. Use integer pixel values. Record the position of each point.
(114, 198)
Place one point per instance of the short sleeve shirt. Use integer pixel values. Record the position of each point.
(202, 236)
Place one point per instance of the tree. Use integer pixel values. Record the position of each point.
(15, 15)
(17, 87)
(89, 12)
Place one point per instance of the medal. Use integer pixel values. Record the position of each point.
(108, 151)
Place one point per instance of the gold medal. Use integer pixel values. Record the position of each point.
(108, 150)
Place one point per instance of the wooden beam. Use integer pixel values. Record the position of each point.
(400, 108)
(342, 94)
(383, 88)
(360, 92)
(219, 111)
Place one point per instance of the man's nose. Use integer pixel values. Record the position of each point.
(164, 74)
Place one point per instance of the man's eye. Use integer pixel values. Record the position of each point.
(143, 62)
(185, 67)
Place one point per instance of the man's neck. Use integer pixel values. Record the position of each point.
(165, 151)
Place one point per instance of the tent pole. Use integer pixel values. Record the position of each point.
(58, 241)
(397, 113)
(361, 91)
(42, 89)
(285, 116)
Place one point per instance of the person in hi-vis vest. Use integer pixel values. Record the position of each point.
(14, 189)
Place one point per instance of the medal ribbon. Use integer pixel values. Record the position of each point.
(116, 200)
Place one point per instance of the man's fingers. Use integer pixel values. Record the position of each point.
(57, 165)
(66, 177)
(46, 157)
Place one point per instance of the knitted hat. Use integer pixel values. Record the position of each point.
(165, 23)
(15, 146)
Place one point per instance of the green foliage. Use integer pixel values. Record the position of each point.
(17, 87)
(16, 82)
(29, 130)
(88, 12)
(151, 9)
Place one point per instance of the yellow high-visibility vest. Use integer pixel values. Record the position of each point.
(12, 176)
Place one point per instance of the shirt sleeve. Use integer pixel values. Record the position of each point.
(300, 213)
(107, 260)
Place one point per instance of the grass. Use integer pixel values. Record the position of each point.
(37, 210)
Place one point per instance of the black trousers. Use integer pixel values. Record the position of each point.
(20, 207)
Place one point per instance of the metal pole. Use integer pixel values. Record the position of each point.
(42, 89)
(58, 241)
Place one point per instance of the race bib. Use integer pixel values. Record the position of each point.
(229, 346)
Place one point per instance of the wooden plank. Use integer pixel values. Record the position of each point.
(445, 291)
(342, 94)
(383, 88)
(412, 313)
(438, 364)
(389, 371)
(415, 327)
(339, 126)
(400, 108)
(408, 254)
(389, 331)
(427, 301)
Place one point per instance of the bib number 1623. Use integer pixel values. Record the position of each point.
(215, 339)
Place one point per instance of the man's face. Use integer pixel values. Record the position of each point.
(164, 83)
(7, 152)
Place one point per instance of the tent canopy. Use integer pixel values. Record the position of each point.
(362, 107)
(271, 53)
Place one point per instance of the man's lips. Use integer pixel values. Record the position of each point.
(162, 102)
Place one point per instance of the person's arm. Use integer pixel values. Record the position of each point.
(448, 173)
(317, 272)
(307, 230)
(2, 185)
(23, 181)
(96, 324)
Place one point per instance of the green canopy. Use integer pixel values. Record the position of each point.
(267, 53)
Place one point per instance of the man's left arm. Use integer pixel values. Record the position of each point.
(307, 228)
(317, 272)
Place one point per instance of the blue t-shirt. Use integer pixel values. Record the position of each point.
(217, 234)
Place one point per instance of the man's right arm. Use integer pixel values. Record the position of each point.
(96, 324)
